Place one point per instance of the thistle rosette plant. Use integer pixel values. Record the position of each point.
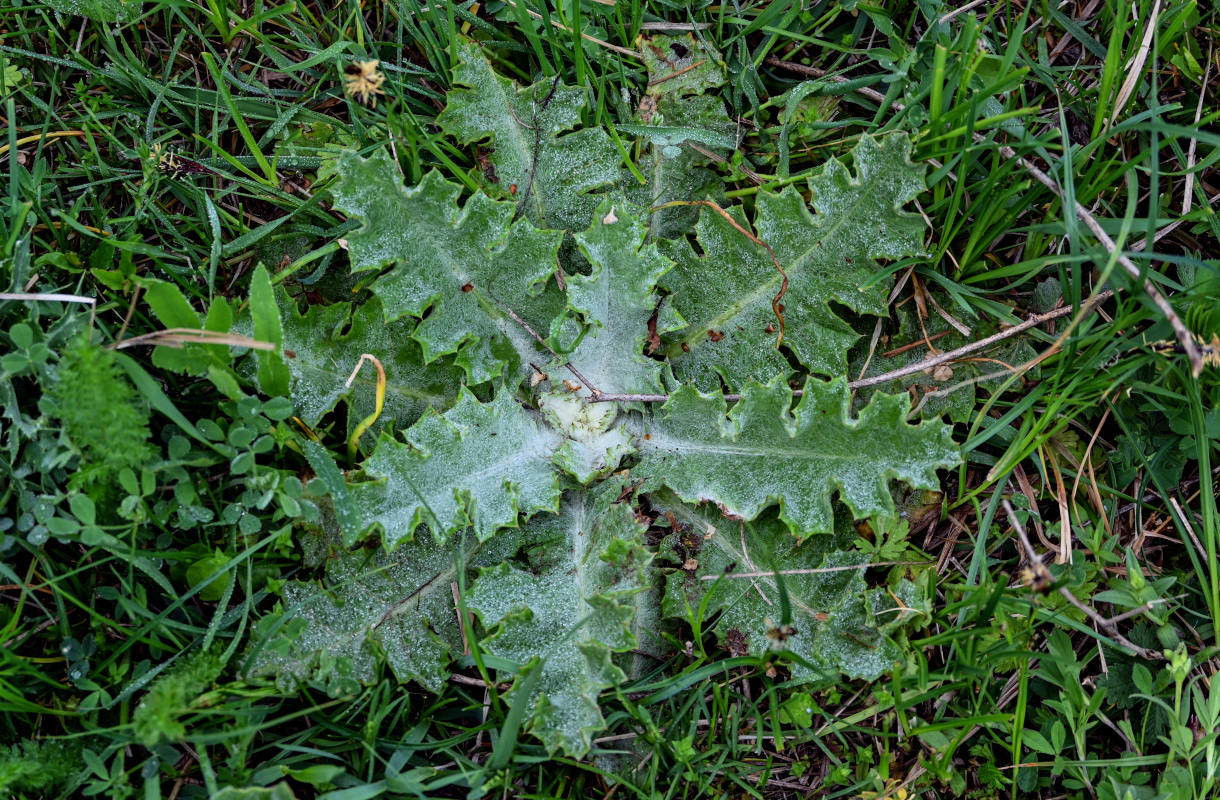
(531, 453)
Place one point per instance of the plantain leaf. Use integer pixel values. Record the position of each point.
(762, 452)
(173, 310)
(273, 374)
(462, 270)
(726, 293)
(323, 346)
(478, 465)
(839, 624)
(569, 613)
(552, 173)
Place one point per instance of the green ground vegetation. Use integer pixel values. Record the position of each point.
(507, 399)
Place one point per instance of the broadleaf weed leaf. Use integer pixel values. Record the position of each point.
(761, 453)
(552, 173)
(725, 294)
(572, 608)
(323, 345)
(479, 464)
(461, 268)
(835, 626)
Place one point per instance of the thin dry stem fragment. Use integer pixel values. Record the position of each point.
(682, 71)
(180, 337)
(1035, 561)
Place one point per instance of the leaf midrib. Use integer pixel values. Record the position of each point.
(810, 453)
(524, 149)
(767, 289)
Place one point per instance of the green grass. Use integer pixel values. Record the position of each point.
(130, 596)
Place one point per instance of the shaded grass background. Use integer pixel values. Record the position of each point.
(1002, 677)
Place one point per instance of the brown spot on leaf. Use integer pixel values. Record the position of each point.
(648, 107)
(654, 339)
(727, 514)
(489, 169)
(691, 541)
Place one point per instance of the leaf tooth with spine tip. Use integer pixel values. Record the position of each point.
(726, 293)
(460, 270)
(761, 453)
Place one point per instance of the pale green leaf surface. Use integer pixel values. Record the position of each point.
(680, 65)
(467, 268)
(761, 452)
(372, 602)
(573, 610)
(725, 294)
(649, 627)
(838, 624)
(617, 299)
(326, 344)
(676, 170)
(526, 122)
(667, 136)
(478, 464)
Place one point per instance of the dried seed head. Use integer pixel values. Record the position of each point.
(362, 80)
